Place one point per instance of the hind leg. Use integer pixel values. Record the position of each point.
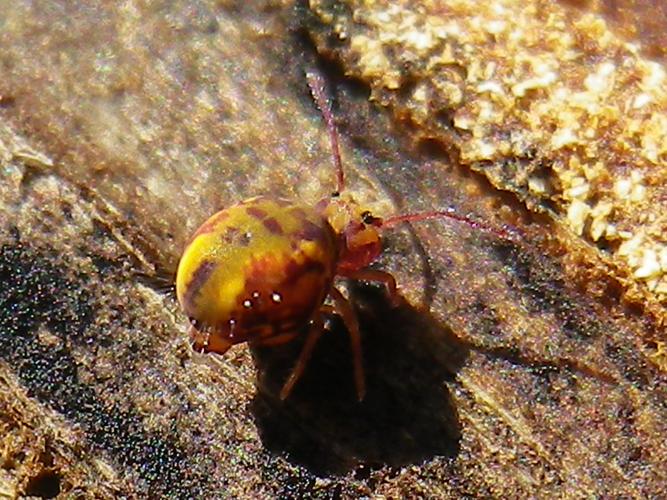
(314, 333)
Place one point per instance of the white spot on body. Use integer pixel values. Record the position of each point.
(276, 297)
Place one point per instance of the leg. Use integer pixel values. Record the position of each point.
(316, 84)
(381, 277)
(349, 317)
(313, 336)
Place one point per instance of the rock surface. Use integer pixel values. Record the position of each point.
(511, 369)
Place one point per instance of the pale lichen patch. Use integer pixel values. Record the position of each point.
(534, 88)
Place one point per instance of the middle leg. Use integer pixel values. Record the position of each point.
(349, 317)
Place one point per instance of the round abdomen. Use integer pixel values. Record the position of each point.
(257, 269)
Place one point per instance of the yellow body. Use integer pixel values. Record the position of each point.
(256, 270)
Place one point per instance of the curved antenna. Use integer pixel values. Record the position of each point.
(317, 89)
(449, 213)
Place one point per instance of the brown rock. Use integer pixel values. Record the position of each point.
(513, 369)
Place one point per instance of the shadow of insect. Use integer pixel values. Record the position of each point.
(408, 415)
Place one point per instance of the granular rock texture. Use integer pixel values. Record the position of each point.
(545, 102)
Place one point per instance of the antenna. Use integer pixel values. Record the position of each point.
(449, 213)
(317, 89)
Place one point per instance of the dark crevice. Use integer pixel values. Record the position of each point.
(46, 484)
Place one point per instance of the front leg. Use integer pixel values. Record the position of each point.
(383, 277)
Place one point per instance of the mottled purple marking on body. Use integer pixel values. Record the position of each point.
(273, 226)
(209, 225)
(256, 212)
(298, 213)
(194, 286)
(295, 270)
(311, 231)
